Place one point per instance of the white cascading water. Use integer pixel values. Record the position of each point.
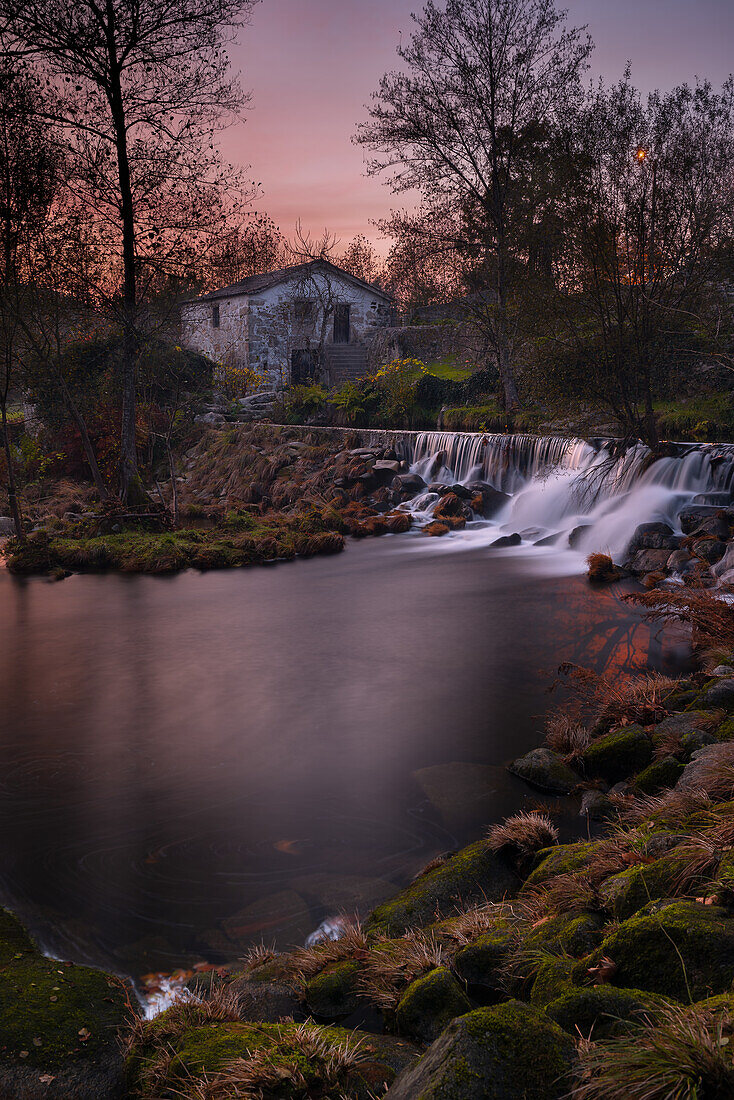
(557, 485)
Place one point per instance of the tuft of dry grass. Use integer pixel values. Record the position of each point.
(685, 1055)
(617, 699)
(258, 955)
(391, 965)
(523, 833)
(672, 808)
(305, 963)
(468, 925)
(566, 736)
(710, 617)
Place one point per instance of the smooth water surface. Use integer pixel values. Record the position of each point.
(191, 764)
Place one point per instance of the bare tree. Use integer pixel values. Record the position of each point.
(479, 78)
(317, 291)
(145, 85)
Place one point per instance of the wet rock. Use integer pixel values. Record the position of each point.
(619, 754)
(509, 1052)
(472, 875)
(648, 561)
(545, 770)
(267, 1002)
(429, 1004)
(480, 963)
(506, 540)
(678, 561)
(398, 523)
(679, 949)
(710, 550)
(549, 540)
(653, 536)
(603, 1011)
(660, 775)
(333, 994)
(725, 671)
(492, 499)
(448, 505)
(408, 483)
(61, 1025)
(720, 695)
(693, 516)
(436, 529)
(724, 568)
(564, 859)
(574, 539)
(596, 805)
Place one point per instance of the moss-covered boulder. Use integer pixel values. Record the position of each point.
(475, 874)
(480, 962)
(572, 933)
(683, 950)
(15, 941)
(290, 1061)
(562, 859)
(260, 1000)
(629, 891)
(546, 771)
(619, 754)
(717, 694)
(61, 1028)
(603, 1011)
(332, 994)
(509, 1052)
(429, 1004)
(658, 776)
(553, 977)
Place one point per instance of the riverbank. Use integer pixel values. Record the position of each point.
(495, 965)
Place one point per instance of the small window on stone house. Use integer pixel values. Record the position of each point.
(215, 316)
(304, 310)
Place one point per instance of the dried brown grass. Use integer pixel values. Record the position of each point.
(566, 736)
(617, 699)
(524, 832)
(710, 617)
(305, 963)
(391, 965)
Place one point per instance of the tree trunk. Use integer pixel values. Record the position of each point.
(131, 489)
(511, 397)
(12, 488)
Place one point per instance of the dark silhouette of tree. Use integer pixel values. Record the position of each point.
(143, 86)
(459, 122)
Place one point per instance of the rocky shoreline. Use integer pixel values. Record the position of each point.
(518, 968)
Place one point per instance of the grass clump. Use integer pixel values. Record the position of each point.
(685, 1055)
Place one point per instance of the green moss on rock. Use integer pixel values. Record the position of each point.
(630, 891)
(509, 1052)
(546, 771)
(61, 1020)
(554, 977)
(474, 874)
(619, 754)
(332, 994)
(658, 776)
(683, 950)
(574, 934)
(480, 962)
(603, 1011)
(560, 860)
(429, 1004)
(15, 941)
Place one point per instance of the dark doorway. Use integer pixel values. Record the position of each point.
(341, 323)
(304, 367)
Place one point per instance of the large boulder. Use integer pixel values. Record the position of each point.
(62, 1028)
(475, 874)
(602, 1011)
(710, 769)
(564, 859)
(491, 499)
(653, 536)
(724, 568)
(429, 1004)
(647, 561)
(683, 950)
(463, 793)
(718, 696)
(546, 770)
(619, 754)
(408, 483)
(333, 994)
(510, 1052)
(629, 891)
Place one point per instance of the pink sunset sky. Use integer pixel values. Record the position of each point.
(311, 66)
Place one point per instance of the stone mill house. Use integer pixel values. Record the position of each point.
(309, 322)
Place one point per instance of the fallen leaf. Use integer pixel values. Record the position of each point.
(84, 1034)
(47, 1078)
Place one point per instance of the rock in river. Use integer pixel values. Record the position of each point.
(545, 770)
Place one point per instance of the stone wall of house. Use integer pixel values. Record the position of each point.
(263, 330)
(224, 344)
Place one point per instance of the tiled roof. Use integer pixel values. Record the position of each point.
(258, 283)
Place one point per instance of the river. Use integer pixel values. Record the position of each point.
(194, 763)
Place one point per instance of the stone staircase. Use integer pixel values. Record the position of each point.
(345, 362)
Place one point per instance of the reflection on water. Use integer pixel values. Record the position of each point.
(191, 764)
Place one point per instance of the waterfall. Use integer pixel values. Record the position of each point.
(559, 487)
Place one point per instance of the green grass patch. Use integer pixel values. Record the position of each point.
(707, 418)
(488, 417)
